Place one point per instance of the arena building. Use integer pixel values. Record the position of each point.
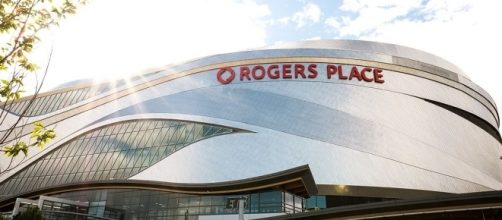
(294, 128)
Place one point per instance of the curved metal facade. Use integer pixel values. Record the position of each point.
(424, 127)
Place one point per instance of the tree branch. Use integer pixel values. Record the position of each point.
(19, 35)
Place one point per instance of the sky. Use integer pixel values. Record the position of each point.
(116, 38)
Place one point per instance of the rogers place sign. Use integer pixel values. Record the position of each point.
(287, 71)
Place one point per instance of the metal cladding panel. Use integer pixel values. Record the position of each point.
(405, 83)
(406, 114)
(375, 48)
(243, 155)
(420, 147)
(349, 132)
(395, 82)
(388, 121)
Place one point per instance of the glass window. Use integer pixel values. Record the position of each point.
(20, 107)
(40, 101)
(77, 99)
(45, 167)
(103, 154)
(130, 127)
(32, 106)
(57, 101)
(70, 97)
(288, 199)
(47, 104)
(271, 197)
(79, 96)
(62, 100)
(53, 102)
(14, 107)
(23, 106)
(122, 128)
(85, 94)
(321, 201)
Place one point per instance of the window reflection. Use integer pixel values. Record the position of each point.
(49, 103)
(149, 204)
(113, 152)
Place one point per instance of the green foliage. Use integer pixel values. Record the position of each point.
(21, 21)
(14, 150)
(20, 24)
(40, 135)
(9, 90)
(31, 213)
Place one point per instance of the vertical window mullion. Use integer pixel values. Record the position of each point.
(77, 96)
(62, 101)
(85, 94)
(22, 106)
(33, 106)
(47, 105)
(14, 107)
(71, 96)
(161, 134)
(41, 105)
(58, 101)
(53, 102)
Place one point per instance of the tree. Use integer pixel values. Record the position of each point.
(31, 213)
(21, 22)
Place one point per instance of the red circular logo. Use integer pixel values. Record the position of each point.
(225, 80)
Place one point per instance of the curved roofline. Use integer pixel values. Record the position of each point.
(297, 180)
(403, 209)
(372, 47)
(357, 50)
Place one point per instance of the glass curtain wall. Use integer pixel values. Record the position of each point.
(148, 204)
(113, 152)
